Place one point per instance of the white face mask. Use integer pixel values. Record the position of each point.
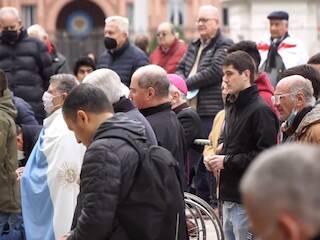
(47, 99)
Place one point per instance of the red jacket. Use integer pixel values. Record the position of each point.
(169, 60)
(266, 89)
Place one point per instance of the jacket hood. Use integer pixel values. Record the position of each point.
(7, 105)
(263, 83)
(121, 122)
(310, 118)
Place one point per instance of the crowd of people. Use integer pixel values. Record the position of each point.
(107, 150)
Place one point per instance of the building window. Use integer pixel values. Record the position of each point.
(225, 16)
(29, 15)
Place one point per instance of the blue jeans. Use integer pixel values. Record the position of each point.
(235, 222)
(11, 226)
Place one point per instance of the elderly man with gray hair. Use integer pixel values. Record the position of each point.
(109, 82)
(281, 193)
(50, 179)
(120, 55)
(294, 100)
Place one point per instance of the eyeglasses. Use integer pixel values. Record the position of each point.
(276, 98)
(203, 20)
(161, 34)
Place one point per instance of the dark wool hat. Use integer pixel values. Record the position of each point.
(279, 15)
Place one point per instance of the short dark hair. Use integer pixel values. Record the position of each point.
(308, 72)
(241, 61)
(88, 98)
(315, 59)
(83, 61)
(249, 47)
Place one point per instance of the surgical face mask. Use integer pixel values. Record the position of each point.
(110, 43)
(47, 99)
(291, 118)
(20, 155)
(9, 36)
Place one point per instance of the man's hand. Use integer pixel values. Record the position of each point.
(64, 237)
(215, 164)
(19, 172)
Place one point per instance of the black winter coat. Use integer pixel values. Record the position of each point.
(107, 174)
(124, 61)
(125, 105)
(28, 67)
(192, 126)
(209, 73)
(250, 128)
(168, 130)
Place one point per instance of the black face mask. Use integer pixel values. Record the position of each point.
(110, 43)
(316, 237)
(9, 36)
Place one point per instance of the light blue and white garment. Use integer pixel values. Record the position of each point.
(49, 186)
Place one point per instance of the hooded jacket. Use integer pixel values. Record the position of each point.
(106, 178)
(266, 90)
(9, 186)
(308, 130)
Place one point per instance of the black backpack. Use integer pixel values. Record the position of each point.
(154, 208)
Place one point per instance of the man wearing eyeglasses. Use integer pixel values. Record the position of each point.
(294, 101)
(170, 48)
(201, 66)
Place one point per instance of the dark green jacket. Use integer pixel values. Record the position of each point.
(9, 186)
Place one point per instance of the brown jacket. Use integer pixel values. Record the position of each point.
(308, 130)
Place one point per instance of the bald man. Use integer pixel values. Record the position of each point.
(149, 90)
(201, 66)
(169, 50)
(294, 100)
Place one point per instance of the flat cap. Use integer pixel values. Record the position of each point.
(279, 15)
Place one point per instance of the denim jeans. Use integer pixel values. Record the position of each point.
(11, 226)
(235, 222)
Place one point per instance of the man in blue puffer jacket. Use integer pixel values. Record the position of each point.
(121, 56)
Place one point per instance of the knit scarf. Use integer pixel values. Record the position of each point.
(273, 51)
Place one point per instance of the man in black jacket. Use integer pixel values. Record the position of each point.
(109, 192)
(149, 91)
(25, 60)
(250, 128)
(201, 65)
(120, 55)
(191, 124)
(109, 82)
